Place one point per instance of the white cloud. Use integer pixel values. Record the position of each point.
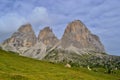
(10, 22)
(39, 16)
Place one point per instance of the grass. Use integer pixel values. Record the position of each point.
(15, 67)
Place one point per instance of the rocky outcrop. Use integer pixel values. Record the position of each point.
(24, 37)
(77, 35)
(37, 51)
(47, 37)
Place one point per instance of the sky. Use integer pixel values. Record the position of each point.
(102, 17)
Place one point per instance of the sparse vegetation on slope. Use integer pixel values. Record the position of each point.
(15, 67)
(94, 60)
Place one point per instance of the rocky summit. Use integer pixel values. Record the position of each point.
(24, 37)
(47, 37)
(76, 41)
(77, 35)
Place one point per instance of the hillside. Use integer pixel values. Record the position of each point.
(15, 67)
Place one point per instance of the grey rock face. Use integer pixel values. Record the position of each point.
(37, 51)
(47, 37)
(24, 37)
(77, 34)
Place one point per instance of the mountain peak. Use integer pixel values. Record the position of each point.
(44, 33)
(47, 36)
(47, 28)
(24, 37)
(78, 35)
(25, 28)
(76, 26)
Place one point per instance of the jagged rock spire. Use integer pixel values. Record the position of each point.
(78, 35)
(24, 37)
(47, 36)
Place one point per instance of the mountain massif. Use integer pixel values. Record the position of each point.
(77, 45)
(76, 38)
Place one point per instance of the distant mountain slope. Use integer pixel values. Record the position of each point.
(15, 67)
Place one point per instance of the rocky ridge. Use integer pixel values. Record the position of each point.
(76, 40)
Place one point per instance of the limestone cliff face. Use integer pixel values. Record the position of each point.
(76, 39)
(45, 42)
(77, 35)
(24, 37)
(47, 37)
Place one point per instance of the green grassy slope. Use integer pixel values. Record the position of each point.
(15, 67)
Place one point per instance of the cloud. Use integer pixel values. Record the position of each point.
(10, 22)
(39, 16)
